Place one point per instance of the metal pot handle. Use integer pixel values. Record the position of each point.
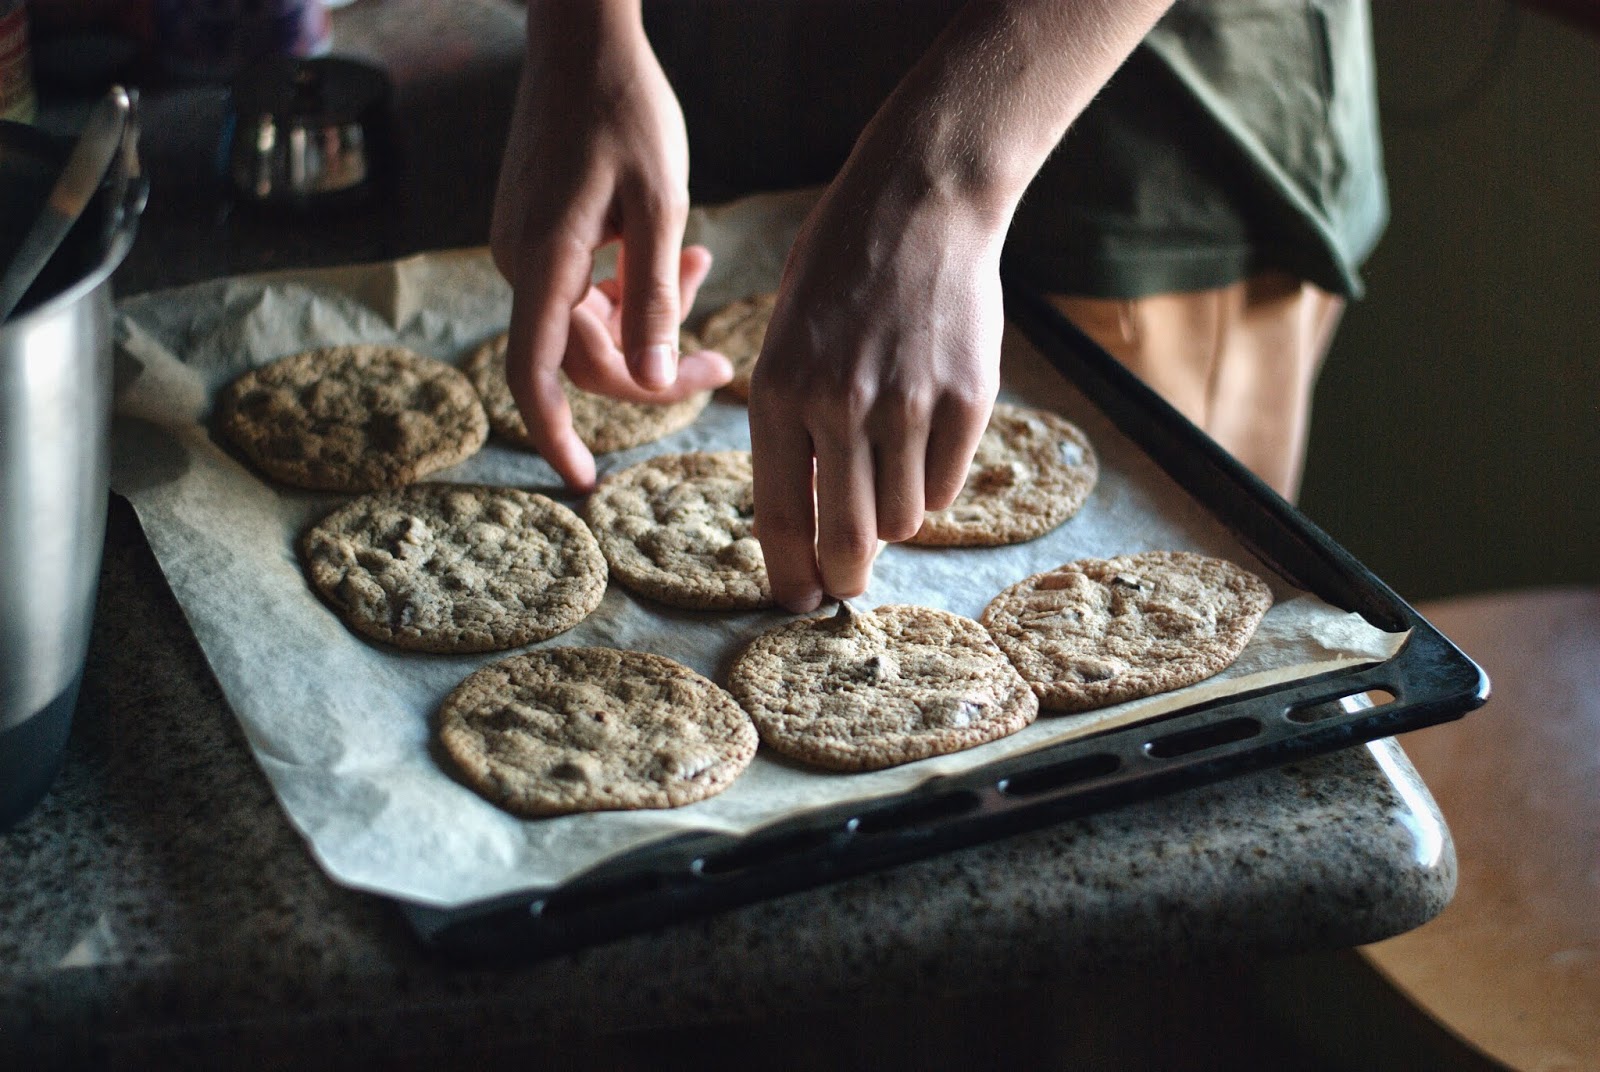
(130, 190)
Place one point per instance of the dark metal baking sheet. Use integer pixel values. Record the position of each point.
(1428, 681)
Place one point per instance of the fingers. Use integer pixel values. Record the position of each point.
(694, 264)
(899, 455)
(652, 234)
(551, 428)
(957, 426)
(601, 366)
(780, 454)
(847, 523)
(826, 492)
(594, 363)
(547, 288)
(874, 479)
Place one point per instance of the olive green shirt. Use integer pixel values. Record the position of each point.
(1240, 136)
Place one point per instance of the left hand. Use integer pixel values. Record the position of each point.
(597, 154)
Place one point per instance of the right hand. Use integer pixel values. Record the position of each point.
(597, 154)
(876, 378)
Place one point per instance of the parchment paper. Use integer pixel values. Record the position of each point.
(342, 726)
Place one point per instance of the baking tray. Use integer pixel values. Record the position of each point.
(1429, 680)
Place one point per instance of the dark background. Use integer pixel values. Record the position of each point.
(1456, 434)
(1456, 437)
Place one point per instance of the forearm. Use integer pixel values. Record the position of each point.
(974, 121)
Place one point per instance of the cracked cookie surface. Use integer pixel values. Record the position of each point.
(1101, 631)
(1033, 470)
(678, 528)
(860, 690)
(604, 424)
(578, 729)
(353, 418)
(455, 568)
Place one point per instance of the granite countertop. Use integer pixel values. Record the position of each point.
(158, 902)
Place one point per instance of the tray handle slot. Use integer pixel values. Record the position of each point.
(918, 812)
(589, 896)
(1325, 707)
(1188, 742)
(1061, 775)
(762, 852)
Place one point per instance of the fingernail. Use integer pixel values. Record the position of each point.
(658, 366)
(803, 605)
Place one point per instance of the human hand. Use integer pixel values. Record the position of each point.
(597, 154)
(875, 383)
(881, 363)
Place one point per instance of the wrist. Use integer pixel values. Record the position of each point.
(905, 174)
(954, 134)
(564, 35)
(976, 118)
(877, 220)
(947, 171)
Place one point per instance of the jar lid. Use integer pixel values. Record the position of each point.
(327, 89)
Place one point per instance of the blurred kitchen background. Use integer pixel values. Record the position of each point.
(1456, 435)
(1456, 438)
(1456, 443)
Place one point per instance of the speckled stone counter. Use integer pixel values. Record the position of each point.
(159, 911)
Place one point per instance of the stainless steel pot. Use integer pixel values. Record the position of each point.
(55, 409)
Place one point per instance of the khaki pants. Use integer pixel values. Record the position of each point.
(1240, 361)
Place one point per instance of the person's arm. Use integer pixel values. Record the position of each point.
(881, 363)
(597, 153)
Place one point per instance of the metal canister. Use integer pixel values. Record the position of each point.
(55, 409)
